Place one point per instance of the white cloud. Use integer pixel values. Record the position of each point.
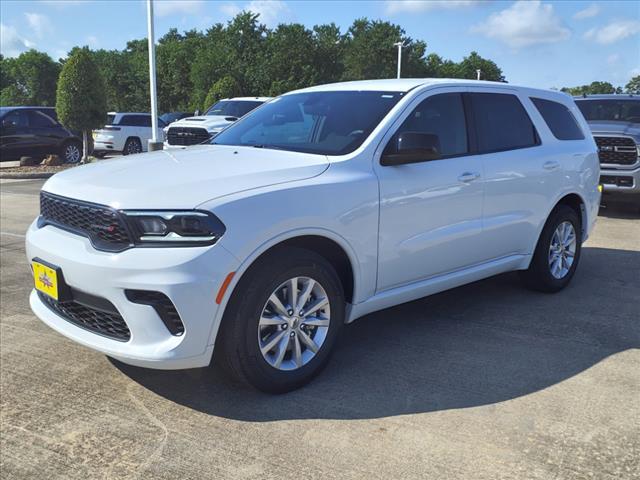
(93, 41)
(230, 9)
(523, 24)
(613, 58)
(271, 12)
(591, 11)
(164, 8)
(40, 24)
(417, 6)
(613, 32)
(13, 44)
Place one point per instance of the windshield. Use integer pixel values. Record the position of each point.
(232, 108)
(173, 116)
(326, 123)
(612, 110)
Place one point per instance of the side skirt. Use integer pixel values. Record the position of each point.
(430, 286)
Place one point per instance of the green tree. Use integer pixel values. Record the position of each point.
(226, 87)
(29, 79)
(81, 100)
(469, 65)
(633, 86)
(594, 88)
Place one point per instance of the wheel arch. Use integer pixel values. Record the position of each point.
(327, 244)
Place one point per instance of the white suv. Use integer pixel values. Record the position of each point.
(201, 128)
(320, 207)
(125, 133)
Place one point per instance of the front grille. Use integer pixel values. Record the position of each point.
(617, 150)
(162, 305)
(103, 225)
(187, 135)
(620, 181)
(107, 322)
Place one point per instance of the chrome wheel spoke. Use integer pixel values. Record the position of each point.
(317, 305)
(306, 293)
(282, 349)
(280, 308)
(316, 322)
(293, 292)
(297, 351)
(273, 341)
(270, 321)
(308, 341)
(562, 249)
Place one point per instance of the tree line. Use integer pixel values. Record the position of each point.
(240, 58)
(245, 58)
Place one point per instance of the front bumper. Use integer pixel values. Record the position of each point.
(190, 277)
(620, 182)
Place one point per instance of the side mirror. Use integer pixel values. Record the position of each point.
(411, 147)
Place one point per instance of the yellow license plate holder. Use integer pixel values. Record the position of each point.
(45, 279)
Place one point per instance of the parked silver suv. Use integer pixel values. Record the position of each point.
(615, 124)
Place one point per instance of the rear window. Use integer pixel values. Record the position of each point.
(502, 123)
(559, 119)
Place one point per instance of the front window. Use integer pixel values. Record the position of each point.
(232, 108)
(610, 110)
(325, 123)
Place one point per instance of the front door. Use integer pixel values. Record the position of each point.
(430, 212)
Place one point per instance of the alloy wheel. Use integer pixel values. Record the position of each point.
(294, 323)
(72, 153)
(562, 250)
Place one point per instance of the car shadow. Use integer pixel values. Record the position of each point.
(613, 209)
(479, 344)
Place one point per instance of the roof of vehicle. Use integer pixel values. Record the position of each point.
(609, 96)
(406, 84)
(248, 99)
(128, 113)
(24, 107)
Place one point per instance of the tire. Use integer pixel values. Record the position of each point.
(132, 146)
(71, 152)
(549, 270)
(243, 332)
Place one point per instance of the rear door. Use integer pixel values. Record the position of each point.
(430, 212)
(48, 134)
(520, 175)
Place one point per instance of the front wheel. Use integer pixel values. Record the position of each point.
(282, 321)
(558, 251)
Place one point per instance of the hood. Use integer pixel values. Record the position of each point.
(620, 128)
(183, 178)
(210, 122)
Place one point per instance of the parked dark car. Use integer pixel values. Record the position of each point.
(35, 132)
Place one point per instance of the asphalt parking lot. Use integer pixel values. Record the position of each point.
(487, 381)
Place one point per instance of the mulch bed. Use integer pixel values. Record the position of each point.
(39, 171)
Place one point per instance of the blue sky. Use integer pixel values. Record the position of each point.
(537, 43)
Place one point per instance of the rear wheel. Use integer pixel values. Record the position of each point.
(72, 152)
(132, 146)
(558, 251)
(282, 321)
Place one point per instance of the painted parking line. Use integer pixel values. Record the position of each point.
(11, 234)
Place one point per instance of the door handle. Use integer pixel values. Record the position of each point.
(551, 165)
(467, 177)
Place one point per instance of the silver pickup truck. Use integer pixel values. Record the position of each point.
(615, 124)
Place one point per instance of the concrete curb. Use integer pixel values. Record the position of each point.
(26, 176)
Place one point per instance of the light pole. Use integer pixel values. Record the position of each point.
(478, 72)
(400, 45)
(154, 144)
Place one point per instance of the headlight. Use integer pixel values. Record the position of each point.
(174, 228)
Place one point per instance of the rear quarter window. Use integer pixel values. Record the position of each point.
(559, 119)
(502, 123)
